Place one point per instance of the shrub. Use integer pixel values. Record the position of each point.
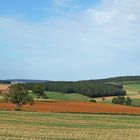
(122, 100)
(128, 101)
(92, 100)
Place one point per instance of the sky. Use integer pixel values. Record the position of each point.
(69, 39)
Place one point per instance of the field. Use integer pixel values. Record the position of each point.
(133, 91)
(71, 117)
(67, 97)
(133, 87)
(79, 107)
(65, 126)
(4, 86)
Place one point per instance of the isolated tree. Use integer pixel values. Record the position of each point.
(19, 95)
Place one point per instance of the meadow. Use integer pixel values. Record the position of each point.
(67, 97)
(65, 126)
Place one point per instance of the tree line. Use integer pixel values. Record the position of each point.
(89, 88)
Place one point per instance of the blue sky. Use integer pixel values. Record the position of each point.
(69, 39)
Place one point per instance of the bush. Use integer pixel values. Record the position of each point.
(122, 100)
(128, 101)
(119, 100)
(92, 100)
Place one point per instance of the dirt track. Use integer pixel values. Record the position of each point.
(83, 107)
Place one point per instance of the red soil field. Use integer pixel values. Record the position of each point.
(82, 107)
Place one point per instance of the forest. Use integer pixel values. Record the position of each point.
(91, 88)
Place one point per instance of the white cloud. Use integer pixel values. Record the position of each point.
(116, 10)
(102, 17)
(94, 39)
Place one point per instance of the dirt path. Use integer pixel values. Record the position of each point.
(83, 107)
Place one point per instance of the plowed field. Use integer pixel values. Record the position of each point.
(83, 107)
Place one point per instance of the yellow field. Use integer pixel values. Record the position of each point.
(4, 86)
(60, 126)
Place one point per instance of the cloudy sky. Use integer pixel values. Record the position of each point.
(69, 39)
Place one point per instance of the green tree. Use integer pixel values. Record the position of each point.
(38, 89)
(122, 100)
(92, 100)
(19, 96)
(128, 101)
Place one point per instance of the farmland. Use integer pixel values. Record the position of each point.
(67, 97)
(70, 116)
(74, 106)
(65, 126)
(4, 86)
(132, 90)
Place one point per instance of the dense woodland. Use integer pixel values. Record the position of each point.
(90, 88)
(123, 79)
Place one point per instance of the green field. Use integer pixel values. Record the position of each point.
(136, 102)
(65, 126)
(132, 89)
(66, 97)
(63, 96)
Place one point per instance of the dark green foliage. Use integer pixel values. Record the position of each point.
(92, 100)
(38, 89)
(123, 79)
(19, 95)
(119, 100)
(122, 100)
(128, 101)
(89, 88)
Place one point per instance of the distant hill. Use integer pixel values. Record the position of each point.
(4, 82)
(25, 81)
(121, 79)
(91, 88)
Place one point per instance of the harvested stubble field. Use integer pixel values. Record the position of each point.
(79, 107)
(4, 86)
(65, 126)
